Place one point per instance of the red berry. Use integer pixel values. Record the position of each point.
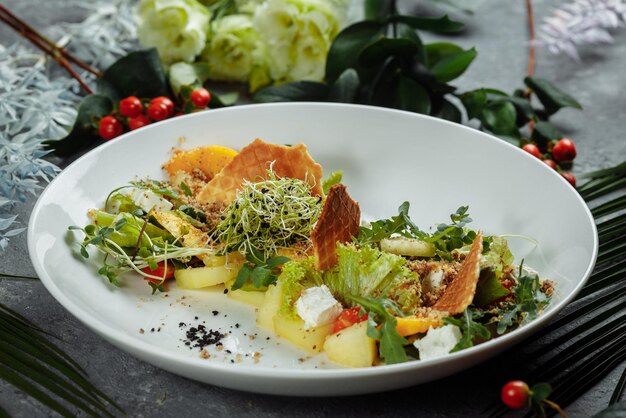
(158, 111)
(138, 121)
(570, 178)
(564, 150)
(109, 128)
(550, 163)
(166, 101)
(201, 97)
(130, 106)
(532, 150)
(515, 394)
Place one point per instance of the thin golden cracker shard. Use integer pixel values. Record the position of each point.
(252, 164)
(460, 292)
(339, 222)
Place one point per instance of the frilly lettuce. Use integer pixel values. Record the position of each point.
(498, 257)
(365, 272)
(177, 28)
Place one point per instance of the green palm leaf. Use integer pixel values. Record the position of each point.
(33, 364)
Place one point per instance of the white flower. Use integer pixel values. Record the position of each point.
(233, 48)
(177, 28)
(297, 35)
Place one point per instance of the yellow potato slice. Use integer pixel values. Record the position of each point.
(199, 277)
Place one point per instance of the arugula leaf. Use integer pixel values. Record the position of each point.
(334, 178)
(449, 237)
(261, 272)
(470, 329)
(385, 228)
(381, 325)
(529, 301)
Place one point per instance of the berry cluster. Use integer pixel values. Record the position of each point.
(557, 155)
(134, 113)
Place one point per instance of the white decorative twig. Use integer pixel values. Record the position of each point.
(36, 105)
(582, 22)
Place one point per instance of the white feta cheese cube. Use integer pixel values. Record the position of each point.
(438, 341)
(317, 307)
(147, 200)
(433, 280)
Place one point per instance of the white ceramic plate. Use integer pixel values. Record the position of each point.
(388, 157)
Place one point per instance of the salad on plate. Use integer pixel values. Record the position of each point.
(264, 223)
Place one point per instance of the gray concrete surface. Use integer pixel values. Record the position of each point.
(499, 33)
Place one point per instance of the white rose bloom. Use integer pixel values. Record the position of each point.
(297, 34)
(233, 50)
(177, 28)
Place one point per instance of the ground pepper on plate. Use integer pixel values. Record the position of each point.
(201, 337)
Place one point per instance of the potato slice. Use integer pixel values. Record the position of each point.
(292, 329)
(271, 305)
(252, 297)
(210, 160)
(199, 277)
(352, 347)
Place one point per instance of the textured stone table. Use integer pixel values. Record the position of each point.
(499, 33)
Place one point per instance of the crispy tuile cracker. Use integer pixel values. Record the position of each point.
(339, 222)
(460, 292)
(252, 164)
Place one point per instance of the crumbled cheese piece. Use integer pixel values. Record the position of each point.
(438, 341)
(148, 200)
(317, 307)
(433, 280)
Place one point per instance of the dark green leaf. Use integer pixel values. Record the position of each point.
(449, 111)
(499, 117)
(261, 276)
(276, 261)
(489, 288)
(391, 343)
(550, 96)
(438, 24)
(540, 392)
(242, 276)
(293, 92)
(406, 32)
(185, 74)
(453, 65)
(375, 9)
(544, 132)
(224, 99)
(83, 133)
(411, 96)
(435, 52)
(347, 46)
(139, 73)
(474, 102)
(381, 49)
(346, 88)
(471, 330)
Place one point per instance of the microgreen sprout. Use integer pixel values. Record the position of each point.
(268, 215)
